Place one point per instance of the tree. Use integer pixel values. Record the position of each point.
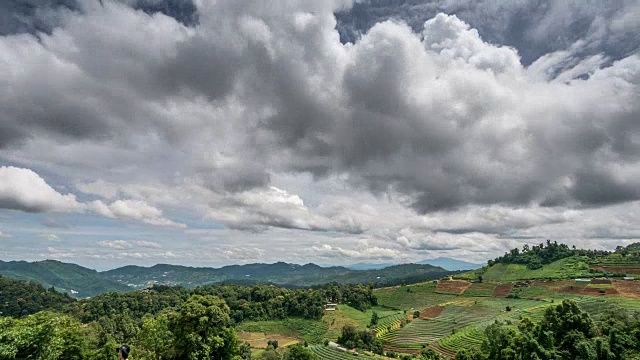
(273, 344)
(202, 330)
(155, 336)
(469, 354)
(374, 318)
(44, 335)
(299, 352)
(245, 351)
(429, 354)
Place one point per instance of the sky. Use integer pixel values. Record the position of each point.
(208, 133)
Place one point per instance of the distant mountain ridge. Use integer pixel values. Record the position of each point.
(79, 281)
(74, 279)
(451, 264)
(279, 273)
(443, 262)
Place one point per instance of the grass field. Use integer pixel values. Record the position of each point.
(480, 289)
(313, 331)
(326, 353)
(414, 297)
(568, 268)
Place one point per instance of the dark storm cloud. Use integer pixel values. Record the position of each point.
(441, 118)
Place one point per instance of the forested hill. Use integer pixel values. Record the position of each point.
(74, 279)
(81, 282)
(279, 273)
(20, 298)
(553, 260)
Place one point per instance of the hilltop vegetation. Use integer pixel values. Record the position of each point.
(21, 298)
(558, 261)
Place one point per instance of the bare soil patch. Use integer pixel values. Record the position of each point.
(431, 313)
(502, 290)
(627, 288)
(595, 291)
(452, 286)
(601, 281)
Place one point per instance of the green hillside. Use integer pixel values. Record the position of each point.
(73, 279)
(568, 268)
(542, 263)
(19, 298)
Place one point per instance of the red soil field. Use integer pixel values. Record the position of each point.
(601, 281)
(452, 286)
(502, 290)
(626, 288)
(431, 313)
(595, 291)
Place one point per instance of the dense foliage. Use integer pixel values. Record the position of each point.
(201, 328)
(536, 256)
(21, 298)
(365, 339)
(264, 302)
(159, 323)
(565, 332)
(357, 296)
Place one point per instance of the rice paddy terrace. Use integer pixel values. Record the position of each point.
(451, 315)
(449, 323)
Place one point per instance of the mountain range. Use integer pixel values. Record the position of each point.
(443, 262)
(82, 282)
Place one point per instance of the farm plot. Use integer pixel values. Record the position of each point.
(480, 289)
(313, 331)
(599, 289)
(424, 332)
(630, 289)
(326, 353)
(456, 287)
(617, 269)
(468, 337)
(259, 340)
(431, 313)
(413, 297)
(502, 290)
(389, 323)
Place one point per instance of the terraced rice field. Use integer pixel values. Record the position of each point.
(470, 336)
(326, 353)
(480, 289)
(389, 323)
(424, 332)
(446, 353)
(617, 260)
